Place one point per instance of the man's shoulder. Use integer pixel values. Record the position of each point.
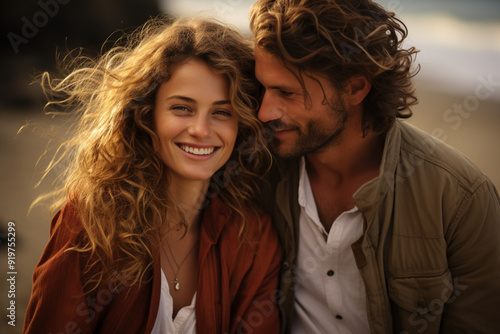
(419, 147)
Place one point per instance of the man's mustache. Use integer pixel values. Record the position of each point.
(278, 125)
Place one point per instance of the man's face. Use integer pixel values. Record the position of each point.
(299, 128)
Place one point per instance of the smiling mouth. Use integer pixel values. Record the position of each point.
(278, 126)
(197, 151)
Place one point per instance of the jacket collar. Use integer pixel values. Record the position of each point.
(215, 217)
(369, 194)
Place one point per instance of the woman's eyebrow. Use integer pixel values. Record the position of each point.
(185, 98)
(218, 103)
(191, 100)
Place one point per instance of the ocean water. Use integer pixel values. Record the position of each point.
(459, 40)
(468, 10)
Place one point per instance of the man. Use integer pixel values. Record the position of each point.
(384, 228)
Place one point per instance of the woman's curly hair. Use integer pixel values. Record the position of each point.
(115, 179)
(341, 39)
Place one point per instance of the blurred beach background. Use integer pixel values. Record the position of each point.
(458, 89)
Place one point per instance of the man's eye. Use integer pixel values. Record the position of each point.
(285, 93)
(261, 92)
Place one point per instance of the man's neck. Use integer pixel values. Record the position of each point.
(337, 172)
(353, 158)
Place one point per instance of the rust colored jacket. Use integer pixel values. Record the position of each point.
(236, 286)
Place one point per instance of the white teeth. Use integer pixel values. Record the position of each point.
(198, 151)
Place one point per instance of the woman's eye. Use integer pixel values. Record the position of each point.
(180, 108)
(285, 93)
(223, 113)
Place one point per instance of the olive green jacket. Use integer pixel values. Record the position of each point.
(430, 252)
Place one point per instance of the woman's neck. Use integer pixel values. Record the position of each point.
(188, 196)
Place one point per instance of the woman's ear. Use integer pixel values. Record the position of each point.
(358, 88)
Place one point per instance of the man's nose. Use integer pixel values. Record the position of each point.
(270, 108)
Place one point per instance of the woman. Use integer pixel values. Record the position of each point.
(159, 233)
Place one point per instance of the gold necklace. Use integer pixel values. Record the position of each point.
(176, 283)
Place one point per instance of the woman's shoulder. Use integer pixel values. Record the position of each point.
(255, 217)
(257, 229)
(253, 250)
(259, 223)
(66, 222)
(66, 231)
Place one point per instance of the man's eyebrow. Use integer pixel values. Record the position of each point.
(284, 87)
(191, 100)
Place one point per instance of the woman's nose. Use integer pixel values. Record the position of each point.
(200, 126)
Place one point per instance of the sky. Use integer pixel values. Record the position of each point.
(459, 40)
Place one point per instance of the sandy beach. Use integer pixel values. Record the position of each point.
(475, 131)
(476, 136)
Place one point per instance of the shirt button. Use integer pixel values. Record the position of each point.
(421, 304)
(330, 273)
(286, 265)
(338, 316)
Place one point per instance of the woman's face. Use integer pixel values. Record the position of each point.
(194, 121)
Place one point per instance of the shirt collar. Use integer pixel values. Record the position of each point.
(306, 197)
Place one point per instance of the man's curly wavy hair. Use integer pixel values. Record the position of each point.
(116, 180)
(340, 39)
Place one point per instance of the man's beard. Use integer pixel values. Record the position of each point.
(316, 136)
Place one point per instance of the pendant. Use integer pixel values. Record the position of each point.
(177, 285)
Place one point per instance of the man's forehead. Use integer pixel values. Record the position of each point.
(271, 67)
(263, 55)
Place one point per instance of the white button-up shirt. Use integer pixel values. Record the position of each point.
(330, 295)
(185, 319)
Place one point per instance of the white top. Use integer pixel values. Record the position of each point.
(330, 296)
(185, 320)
